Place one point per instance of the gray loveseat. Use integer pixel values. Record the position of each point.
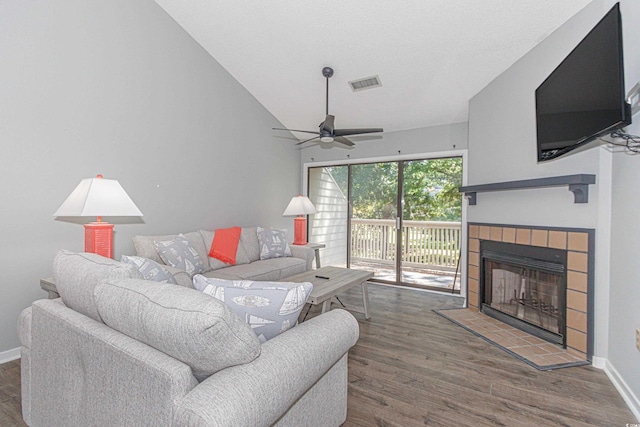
(248, 266)
(117, 350)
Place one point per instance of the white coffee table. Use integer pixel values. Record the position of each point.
(330, 281)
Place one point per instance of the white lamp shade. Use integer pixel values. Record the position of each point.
(98, 197)
(299, 205)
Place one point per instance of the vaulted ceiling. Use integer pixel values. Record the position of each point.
(431, 56)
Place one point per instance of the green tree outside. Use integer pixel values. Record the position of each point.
(430, 189)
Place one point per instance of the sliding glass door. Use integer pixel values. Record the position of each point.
(399, 219)
(373, 218)
(431, 222)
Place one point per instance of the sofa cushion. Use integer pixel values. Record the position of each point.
(179, 253)
(150, 269)
(214, 264)
(273, 243)
(183, 323)
(77, 274)
(268, 269)
(286, 266)
(270, 308)
(249, 240)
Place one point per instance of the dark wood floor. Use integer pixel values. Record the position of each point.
(412, 367)
(10, 409)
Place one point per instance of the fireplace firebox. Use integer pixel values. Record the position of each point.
(525, 287)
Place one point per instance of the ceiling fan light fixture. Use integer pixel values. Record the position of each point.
(326, 139)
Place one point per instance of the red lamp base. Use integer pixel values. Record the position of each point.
(98, 238)
(300, 230)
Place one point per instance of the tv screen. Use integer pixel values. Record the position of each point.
(584, 97)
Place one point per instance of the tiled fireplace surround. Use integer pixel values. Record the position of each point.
(579, 244)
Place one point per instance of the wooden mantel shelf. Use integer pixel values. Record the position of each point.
(578, 185)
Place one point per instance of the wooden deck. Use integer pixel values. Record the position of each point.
(412, 367)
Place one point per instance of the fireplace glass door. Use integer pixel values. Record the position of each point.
(526, 288)
(526, 294)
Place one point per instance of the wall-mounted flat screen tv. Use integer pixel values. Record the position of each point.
(584, 97)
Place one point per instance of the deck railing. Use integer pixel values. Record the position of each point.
(425, 244)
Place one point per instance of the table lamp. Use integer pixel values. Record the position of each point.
(300, 205)
(98, 197)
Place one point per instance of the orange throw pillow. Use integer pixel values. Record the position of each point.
(225, 244)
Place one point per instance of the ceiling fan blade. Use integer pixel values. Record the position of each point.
(297, 130)
(307, 140)
(327, 125)
(343, 140)
(345, 132)
(309, 145)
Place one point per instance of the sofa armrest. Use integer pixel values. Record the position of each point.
(24, 336)
(85, 373)
(260, 392)
(24, 328)
(303, 252)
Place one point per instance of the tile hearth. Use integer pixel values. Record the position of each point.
(536, 352)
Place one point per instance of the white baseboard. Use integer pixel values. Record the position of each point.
(619, 383)
(9, 355)
(598, 362)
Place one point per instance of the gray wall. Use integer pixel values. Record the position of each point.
(625, 232)
(502, 141)
(502, 147)
(117, 87)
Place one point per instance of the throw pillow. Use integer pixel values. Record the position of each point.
(180, 254)
(225, 244)
(273, 243)
(270, 308)
(215, 264)
(150, 269)
(146, 248)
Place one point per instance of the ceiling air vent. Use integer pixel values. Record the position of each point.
(366, 83)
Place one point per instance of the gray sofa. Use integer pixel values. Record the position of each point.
(117, 350)
(248, 263)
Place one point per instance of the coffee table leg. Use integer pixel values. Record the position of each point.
(365, 300)
(326, 305)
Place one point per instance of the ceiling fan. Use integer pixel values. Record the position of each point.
(327, 133)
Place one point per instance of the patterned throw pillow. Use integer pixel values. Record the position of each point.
(270, 308)
(180, 254)
(273, 243)
(149, 269)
